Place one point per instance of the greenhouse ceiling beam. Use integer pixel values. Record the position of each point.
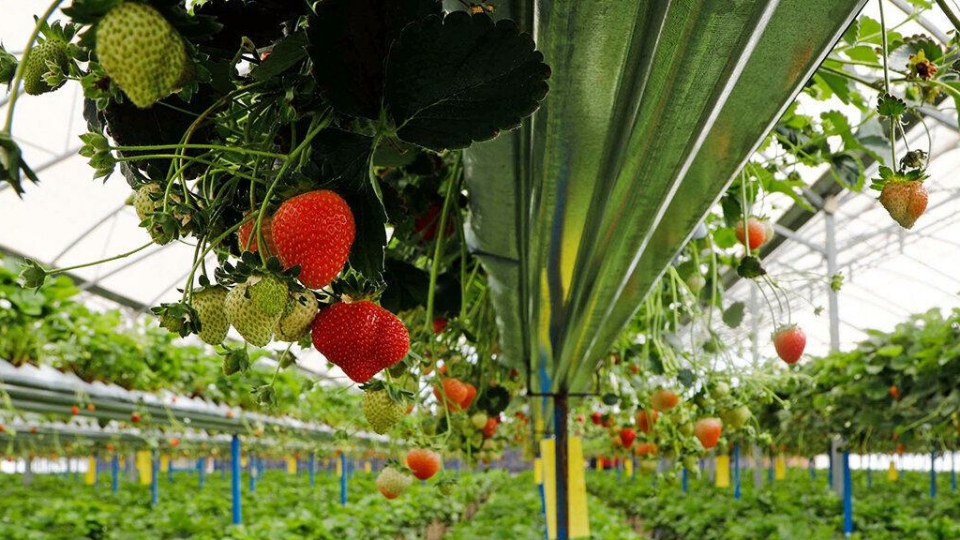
(924, 22)
(86, 232)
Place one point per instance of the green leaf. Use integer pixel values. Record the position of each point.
(407, 286)
(686, 377)
(750, 268)
(862, 53)
(484, 77)
(890, 351)
(286, 54)
(12, 164)
(848, 170)
(8, 66)
(891, 106)
(349, 44)
(733, 315)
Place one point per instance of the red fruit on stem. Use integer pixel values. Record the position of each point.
(707, 430)
(627, 436)
(134, 417)
(314, 231)
(74, 410)
(646, 420)
(174, 442)
(664, 400)
(428, 223)
(454, 393)
(789, 341)
(596, 417)
(468, 399)
(439, 324)
(361, 338)
(91, 407)
(754, 230)
(895, 393)
(645, 449)
(490, 428)
(251, 244)
(905, 201)
(423, 462)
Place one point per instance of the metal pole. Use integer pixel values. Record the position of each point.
(562, 467)
(311, 466)
(343, 479)
(933, 474)
(847, 496)
(253, 473)
(736, 471)
(235, 478)
(685, 480)
(155, 478)
(201, 471)
(830, 227)
(115, 473)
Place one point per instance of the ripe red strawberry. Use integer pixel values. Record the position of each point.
(428, 223)
(134, 417)
(468, 399)
(905, 201)
(91, 407)
(707, 430)
(252, 244)
(361, 338)
(2, 429)
(596, 418)
(174, 442)
(490, 428)
(645, 449)
(454, 393)
(423, 462)
(663, 400)
(439, 324)
(789, 341)
(895, 393)
(314, 231)
(754, 229)
(74, 410)
(627, 436)
(391, 483)
(646, 420)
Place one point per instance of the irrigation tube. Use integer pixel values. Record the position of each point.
(235, 478)
(847, 496)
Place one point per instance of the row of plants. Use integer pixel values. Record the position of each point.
(282, 507)
(796, 508)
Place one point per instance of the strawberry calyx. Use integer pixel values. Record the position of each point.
(889, 176)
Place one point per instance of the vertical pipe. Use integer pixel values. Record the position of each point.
(953, 472)
(312, 467)
(235, 478)
(830, 475)
(847, 496)
(201, 471)
(811, 464)
(343, 479)
(115, 473)
(562, 468)
(933, 474)
(685, 480)
(155, 478)
(736, 471)
(830, 230)
(253, 473)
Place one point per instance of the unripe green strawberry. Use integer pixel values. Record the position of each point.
(209, 304)
(141, 52)
(145, 206)
(297, 316)
(269, 294)
(50, 51)
(479, 420)
(392, 483)
(447, 487)
(251, 322)
(381, 411)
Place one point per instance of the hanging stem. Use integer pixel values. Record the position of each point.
(441, 236)
(948, 11)
(18, 77)
(886, 85)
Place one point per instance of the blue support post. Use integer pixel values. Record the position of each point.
(562, 465)
(543, 510)
(830, 475)
(770, 470)
(953, 472)
(847, 496)
(235, 478)
(155, 478)
(115, 473)
(811, 464)
(201, 471)
(343, 479)
(312, 467)
(685, 479)
(736, 471)
(223, 469)
(456, 467)
(933, 474)
(253, 473)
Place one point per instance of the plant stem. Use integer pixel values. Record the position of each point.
(441, 236)
(948, 11)
(886, 85)
(233, 149)
(101, 261)
(18, 77)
